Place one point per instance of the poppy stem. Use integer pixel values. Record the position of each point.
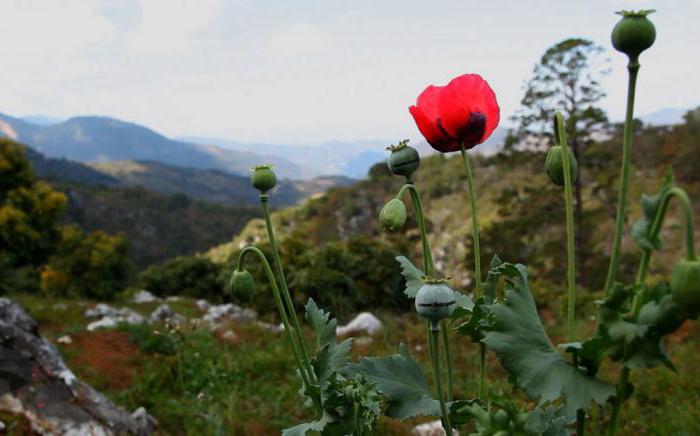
(477, 260)
(633, 69)
(433, 332)
(285, 320)
(429, 267)
(285, 289)
(570, 235)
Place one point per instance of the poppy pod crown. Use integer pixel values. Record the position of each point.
(464, 111)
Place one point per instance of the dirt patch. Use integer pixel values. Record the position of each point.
(109, 357)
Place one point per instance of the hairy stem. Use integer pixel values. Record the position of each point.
(283, 315)
(429, 267)
(619, 400)
(477, 259)
(448, 359)
(570, 234)
(285, 289)
(434, 331)
(632, 68)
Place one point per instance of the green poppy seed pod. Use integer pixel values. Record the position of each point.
(242, 285)
(403, 160)
(263, 178)
(685, 285)
(634, 33)
(554, 165)
(393, 215)
(435, 301)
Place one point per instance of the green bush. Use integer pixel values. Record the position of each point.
(94, 265)
(191, 276)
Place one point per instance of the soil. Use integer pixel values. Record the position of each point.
(108, 356)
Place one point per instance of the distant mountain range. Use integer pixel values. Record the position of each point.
(104, 139)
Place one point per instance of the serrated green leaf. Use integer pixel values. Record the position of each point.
(321, 323)
(412, 275)
(303, 429)
(550, 421)
(330, 358)
(478, 321)
(520, 342)
(636, 343)
(400, 380)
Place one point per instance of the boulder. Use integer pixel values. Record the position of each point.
(36, 384)
(110, 316)
(432, 428)
(364, 322)
(164, 314)
(143, 296)
(229, 311)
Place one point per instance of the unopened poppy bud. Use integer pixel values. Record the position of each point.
(263, 178)
(393, 215)
(404, 159)
(242, 285)
(634, 33)
(435, 301)
(554, 165)
(685, 285)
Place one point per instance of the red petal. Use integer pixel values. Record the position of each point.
(468, 109)
(430, 130)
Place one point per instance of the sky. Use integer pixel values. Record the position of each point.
(304, 71)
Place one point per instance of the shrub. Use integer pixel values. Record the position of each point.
(191, 276)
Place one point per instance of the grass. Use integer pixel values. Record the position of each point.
(198, 382)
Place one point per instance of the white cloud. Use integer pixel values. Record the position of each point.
(168, 27)
(298, 40)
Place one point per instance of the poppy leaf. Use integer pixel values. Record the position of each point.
(516, 334)
(401, 381)
(412, 275)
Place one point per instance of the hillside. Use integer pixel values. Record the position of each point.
(91, 138)
(211, 185)
(158, 227)
(521, 213)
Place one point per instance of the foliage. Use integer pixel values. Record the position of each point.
(159, 227)
(567, 78)
(94, 266)
(514, 331)
(191, 276)
(351, 405)
(29, 213)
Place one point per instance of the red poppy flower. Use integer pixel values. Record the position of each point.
(463, 111)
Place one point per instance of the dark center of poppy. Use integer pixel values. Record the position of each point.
(471, 132)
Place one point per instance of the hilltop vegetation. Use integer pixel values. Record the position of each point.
(522, 214)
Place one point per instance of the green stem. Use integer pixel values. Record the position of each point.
(285, 289)
(428, 264)
(475, 220)
(570, 235)
(617, 405)
(482, 371)
(433, 343)
(448, 359)
(477, 260)
(283, 316)
(632, 68)
(681, 195)
(429, 267)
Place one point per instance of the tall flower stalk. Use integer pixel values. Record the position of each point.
(633, 34)
(306, 372)
(478, 291)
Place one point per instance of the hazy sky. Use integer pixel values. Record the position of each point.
(302, 71)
